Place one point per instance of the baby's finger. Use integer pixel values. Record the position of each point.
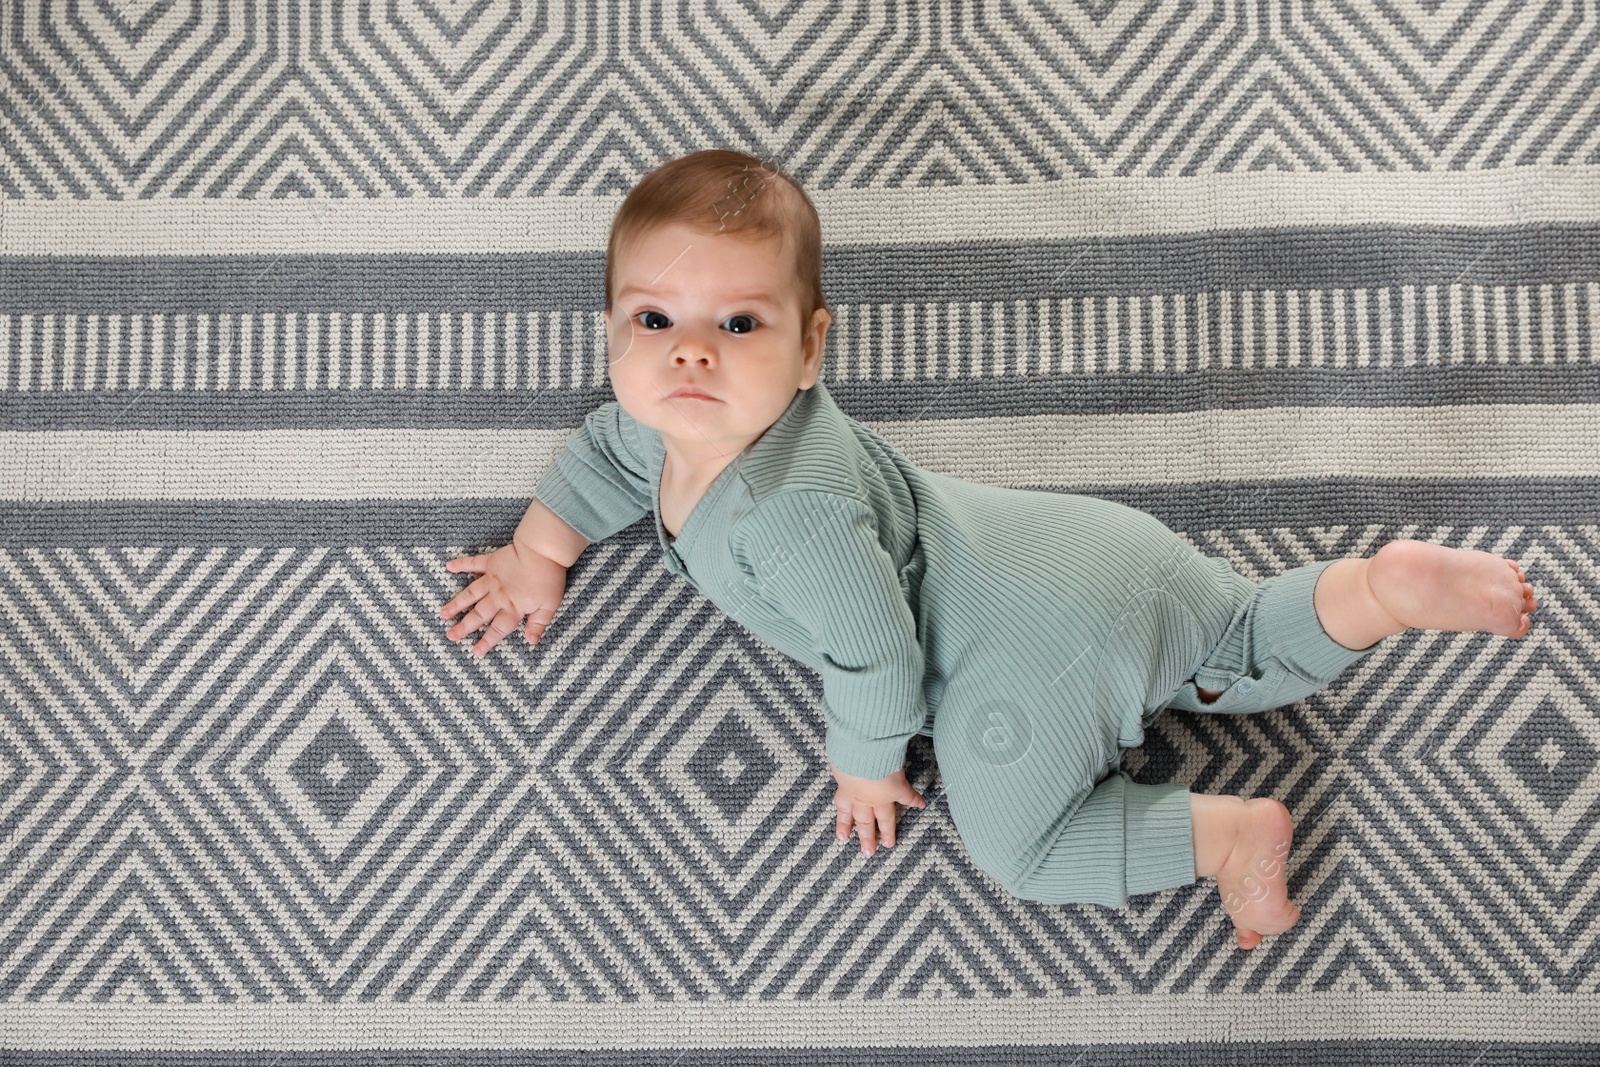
(866, 829)
(886, 824)
(503, 623)
(464, 599)
(841, 825)
(470, 564)
(538, 620)
(472, 622)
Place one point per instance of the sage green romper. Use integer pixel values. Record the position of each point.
(1033, 635)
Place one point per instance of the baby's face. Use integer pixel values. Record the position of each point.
(717, 312)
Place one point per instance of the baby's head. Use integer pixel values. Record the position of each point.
(714, 287)
(723, 192)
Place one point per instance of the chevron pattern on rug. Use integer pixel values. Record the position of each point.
(272, 99)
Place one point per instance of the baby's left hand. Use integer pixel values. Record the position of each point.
(870, 805)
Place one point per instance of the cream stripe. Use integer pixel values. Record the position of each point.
(1559, 440)
(1076, 207)
(1470, 441)
(1073, 1020)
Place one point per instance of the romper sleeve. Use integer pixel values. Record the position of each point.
(600, 480)
(814, 557)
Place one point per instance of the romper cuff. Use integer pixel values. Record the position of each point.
(1158, 836)
(1298, 637)
(874, 758)
(601, 508)
(1124, 839)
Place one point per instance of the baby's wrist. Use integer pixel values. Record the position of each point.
(525, 550)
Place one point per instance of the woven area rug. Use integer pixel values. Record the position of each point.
(298, 300)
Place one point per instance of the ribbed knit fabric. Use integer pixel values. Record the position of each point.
(1034, 635)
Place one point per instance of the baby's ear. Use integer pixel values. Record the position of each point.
(817, 326)
(813, 341)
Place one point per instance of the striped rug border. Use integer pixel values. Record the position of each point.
(1164, 1018)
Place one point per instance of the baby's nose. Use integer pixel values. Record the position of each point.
(687, 352)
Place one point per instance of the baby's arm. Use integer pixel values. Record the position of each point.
(814, 558)
(600, 481)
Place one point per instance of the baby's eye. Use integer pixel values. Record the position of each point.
(743, 318)
(646, 325)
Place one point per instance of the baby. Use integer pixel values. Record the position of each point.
(1033, 635)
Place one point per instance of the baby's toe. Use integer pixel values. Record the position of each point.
(1526, 605)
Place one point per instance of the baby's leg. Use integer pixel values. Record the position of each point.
(1245, 843)
(1409, 583)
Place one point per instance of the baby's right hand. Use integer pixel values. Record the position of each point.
(515, 582)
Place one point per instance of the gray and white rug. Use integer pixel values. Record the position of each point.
(298, 300)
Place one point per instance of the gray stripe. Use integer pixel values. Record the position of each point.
(1347, 257)
(1196, 1054)
(1519, 502)
(1586, 339)
(880, 401)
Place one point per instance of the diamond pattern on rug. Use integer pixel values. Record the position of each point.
(307, 755)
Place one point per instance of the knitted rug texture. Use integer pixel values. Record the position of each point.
(297, 301)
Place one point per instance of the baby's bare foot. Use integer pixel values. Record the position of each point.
(1433, 587)
(1252, 882)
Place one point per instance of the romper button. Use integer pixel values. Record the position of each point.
(1245, 685)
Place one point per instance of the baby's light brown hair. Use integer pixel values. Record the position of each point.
(722, 191)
